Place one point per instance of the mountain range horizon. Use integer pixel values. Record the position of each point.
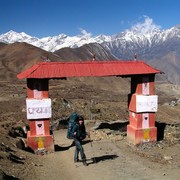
(146, 30)
(159, 48)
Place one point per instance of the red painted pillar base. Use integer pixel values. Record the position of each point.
(142, 107)
(40, 144)
(139, 135)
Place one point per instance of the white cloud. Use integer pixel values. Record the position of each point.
(85, 33)
(148, 26)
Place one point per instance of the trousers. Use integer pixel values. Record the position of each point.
(79, 149)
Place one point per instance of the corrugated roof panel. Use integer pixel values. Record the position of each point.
(84, 68)
(96, 69)
(28, 72)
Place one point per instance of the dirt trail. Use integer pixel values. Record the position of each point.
(113, 161)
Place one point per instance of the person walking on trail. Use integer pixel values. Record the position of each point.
(79, 132)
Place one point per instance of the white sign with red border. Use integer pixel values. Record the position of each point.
(146, 103)
(38, 108)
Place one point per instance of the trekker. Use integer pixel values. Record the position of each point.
(79, 132)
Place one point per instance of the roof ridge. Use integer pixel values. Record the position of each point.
(87, 68)
(28, 71)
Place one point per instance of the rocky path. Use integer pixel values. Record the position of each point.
(113, 161)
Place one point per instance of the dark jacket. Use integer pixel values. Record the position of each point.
(80, 131)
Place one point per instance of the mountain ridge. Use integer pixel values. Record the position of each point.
(138, 36)
(159, 48)
(19, 56)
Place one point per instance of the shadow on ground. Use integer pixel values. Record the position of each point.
(102, 158)
(160, 130)
(60, 148)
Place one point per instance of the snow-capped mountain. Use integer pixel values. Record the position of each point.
(160, 48)
(141, 38)
(12, 36)
(53, 43)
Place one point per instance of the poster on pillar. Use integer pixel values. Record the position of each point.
(143, 103)
(146, 103)
(38, 108)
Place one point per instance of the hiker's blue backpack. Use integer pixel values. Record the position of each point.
(72, 122)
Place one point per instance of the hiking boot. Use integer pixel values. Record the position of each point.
(76, 160)
(84, 163)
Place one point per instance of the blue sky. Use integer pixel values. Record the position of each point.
(42, 18)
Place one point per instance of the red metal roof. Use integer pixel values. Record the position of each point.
(87, 68)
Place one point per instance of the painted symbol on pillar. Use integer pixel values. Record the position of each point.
(146, 134)
(145, 86)
(40, 143)
(37, 90)
(133, 114)
(145, 120)
(40, 128)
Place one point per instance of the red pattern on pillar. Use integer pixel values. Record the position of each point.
(39, 138)
(142, 108)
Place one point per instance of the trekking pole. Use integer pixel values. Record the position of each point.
(93, 158)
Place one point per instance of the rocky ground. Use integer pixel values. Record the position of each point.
(103, 107)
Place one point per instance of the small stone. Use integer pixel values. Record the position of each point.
(167, 158)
